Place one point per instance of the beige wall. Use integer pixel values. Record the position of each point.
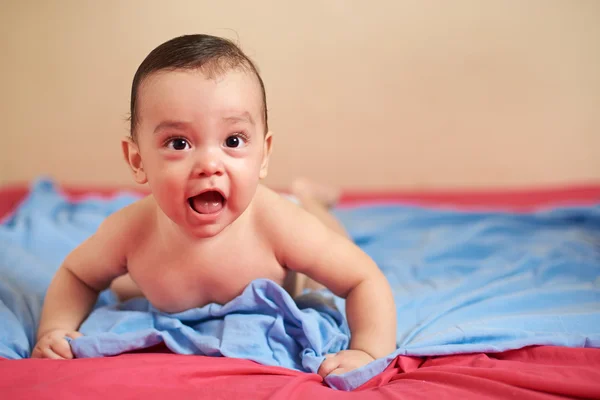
(363, 94)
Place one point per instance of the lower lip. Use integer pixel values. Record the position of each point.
(205, 217)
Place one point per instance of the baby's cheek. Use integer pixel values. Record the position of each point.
(168, 186)
(243, 190)
(172, 176)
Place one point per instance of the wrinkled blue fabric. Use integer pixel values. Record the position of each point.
(463, 282)
(263, 324)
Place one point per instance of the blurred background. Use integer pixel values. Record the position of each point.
(370, 95)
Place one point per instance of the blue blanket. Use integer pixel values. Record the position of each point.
(463, 283)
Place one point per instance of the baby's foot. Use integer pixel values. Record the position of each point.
(326, 195)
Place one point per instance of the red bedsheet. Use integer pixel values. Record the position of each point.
(541, 372)
(516, 200)
(533, 373)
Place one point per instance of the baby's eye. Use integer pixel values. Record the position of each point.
(178, 144)
(235, 141)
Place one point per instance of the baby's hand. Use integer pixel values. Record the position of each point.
(344, 361)
(54, 345)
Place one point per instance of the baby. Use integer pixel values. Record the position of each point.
(200, 139)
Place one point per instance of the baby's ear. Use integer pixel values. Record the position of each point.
(131, 152)
(264, 167)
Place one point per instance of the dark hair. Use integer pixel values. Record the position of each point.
(211, 54)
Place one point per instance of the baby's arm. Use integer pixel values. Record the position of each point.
(307, 246)
(85, 272)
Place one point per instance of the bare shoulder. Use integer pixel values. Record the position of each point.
(131, 219)
(286, 224)
(125, 229)
(103, 256)
(304, 243)
(273, 212)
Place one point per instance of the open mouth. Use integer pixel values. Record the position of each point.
(209, 202)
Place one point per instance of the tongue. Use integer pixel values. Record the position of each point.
(207, 202)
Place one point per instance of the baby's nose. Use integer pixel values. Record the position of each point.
(209, 163)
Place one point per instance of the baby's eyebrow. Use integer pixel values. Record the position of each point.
(243, 117)
(171, 125)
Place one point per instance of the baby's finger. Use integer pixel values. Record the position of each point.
(74, 334)
(328, 365)
(62, 348)
(36, 352)
(48, 353)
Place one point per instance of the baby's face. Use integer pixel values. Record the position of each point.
(202, 145)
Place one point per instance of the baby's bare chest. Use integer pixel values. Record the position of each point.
(174, 280)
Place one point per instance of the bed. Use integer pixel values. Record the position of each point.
(498, 295)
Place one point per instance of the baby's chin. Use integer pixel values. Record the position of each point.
(206, 231)
(206, 226)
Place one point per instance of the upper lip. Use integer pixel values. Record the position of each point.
(198, 193)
